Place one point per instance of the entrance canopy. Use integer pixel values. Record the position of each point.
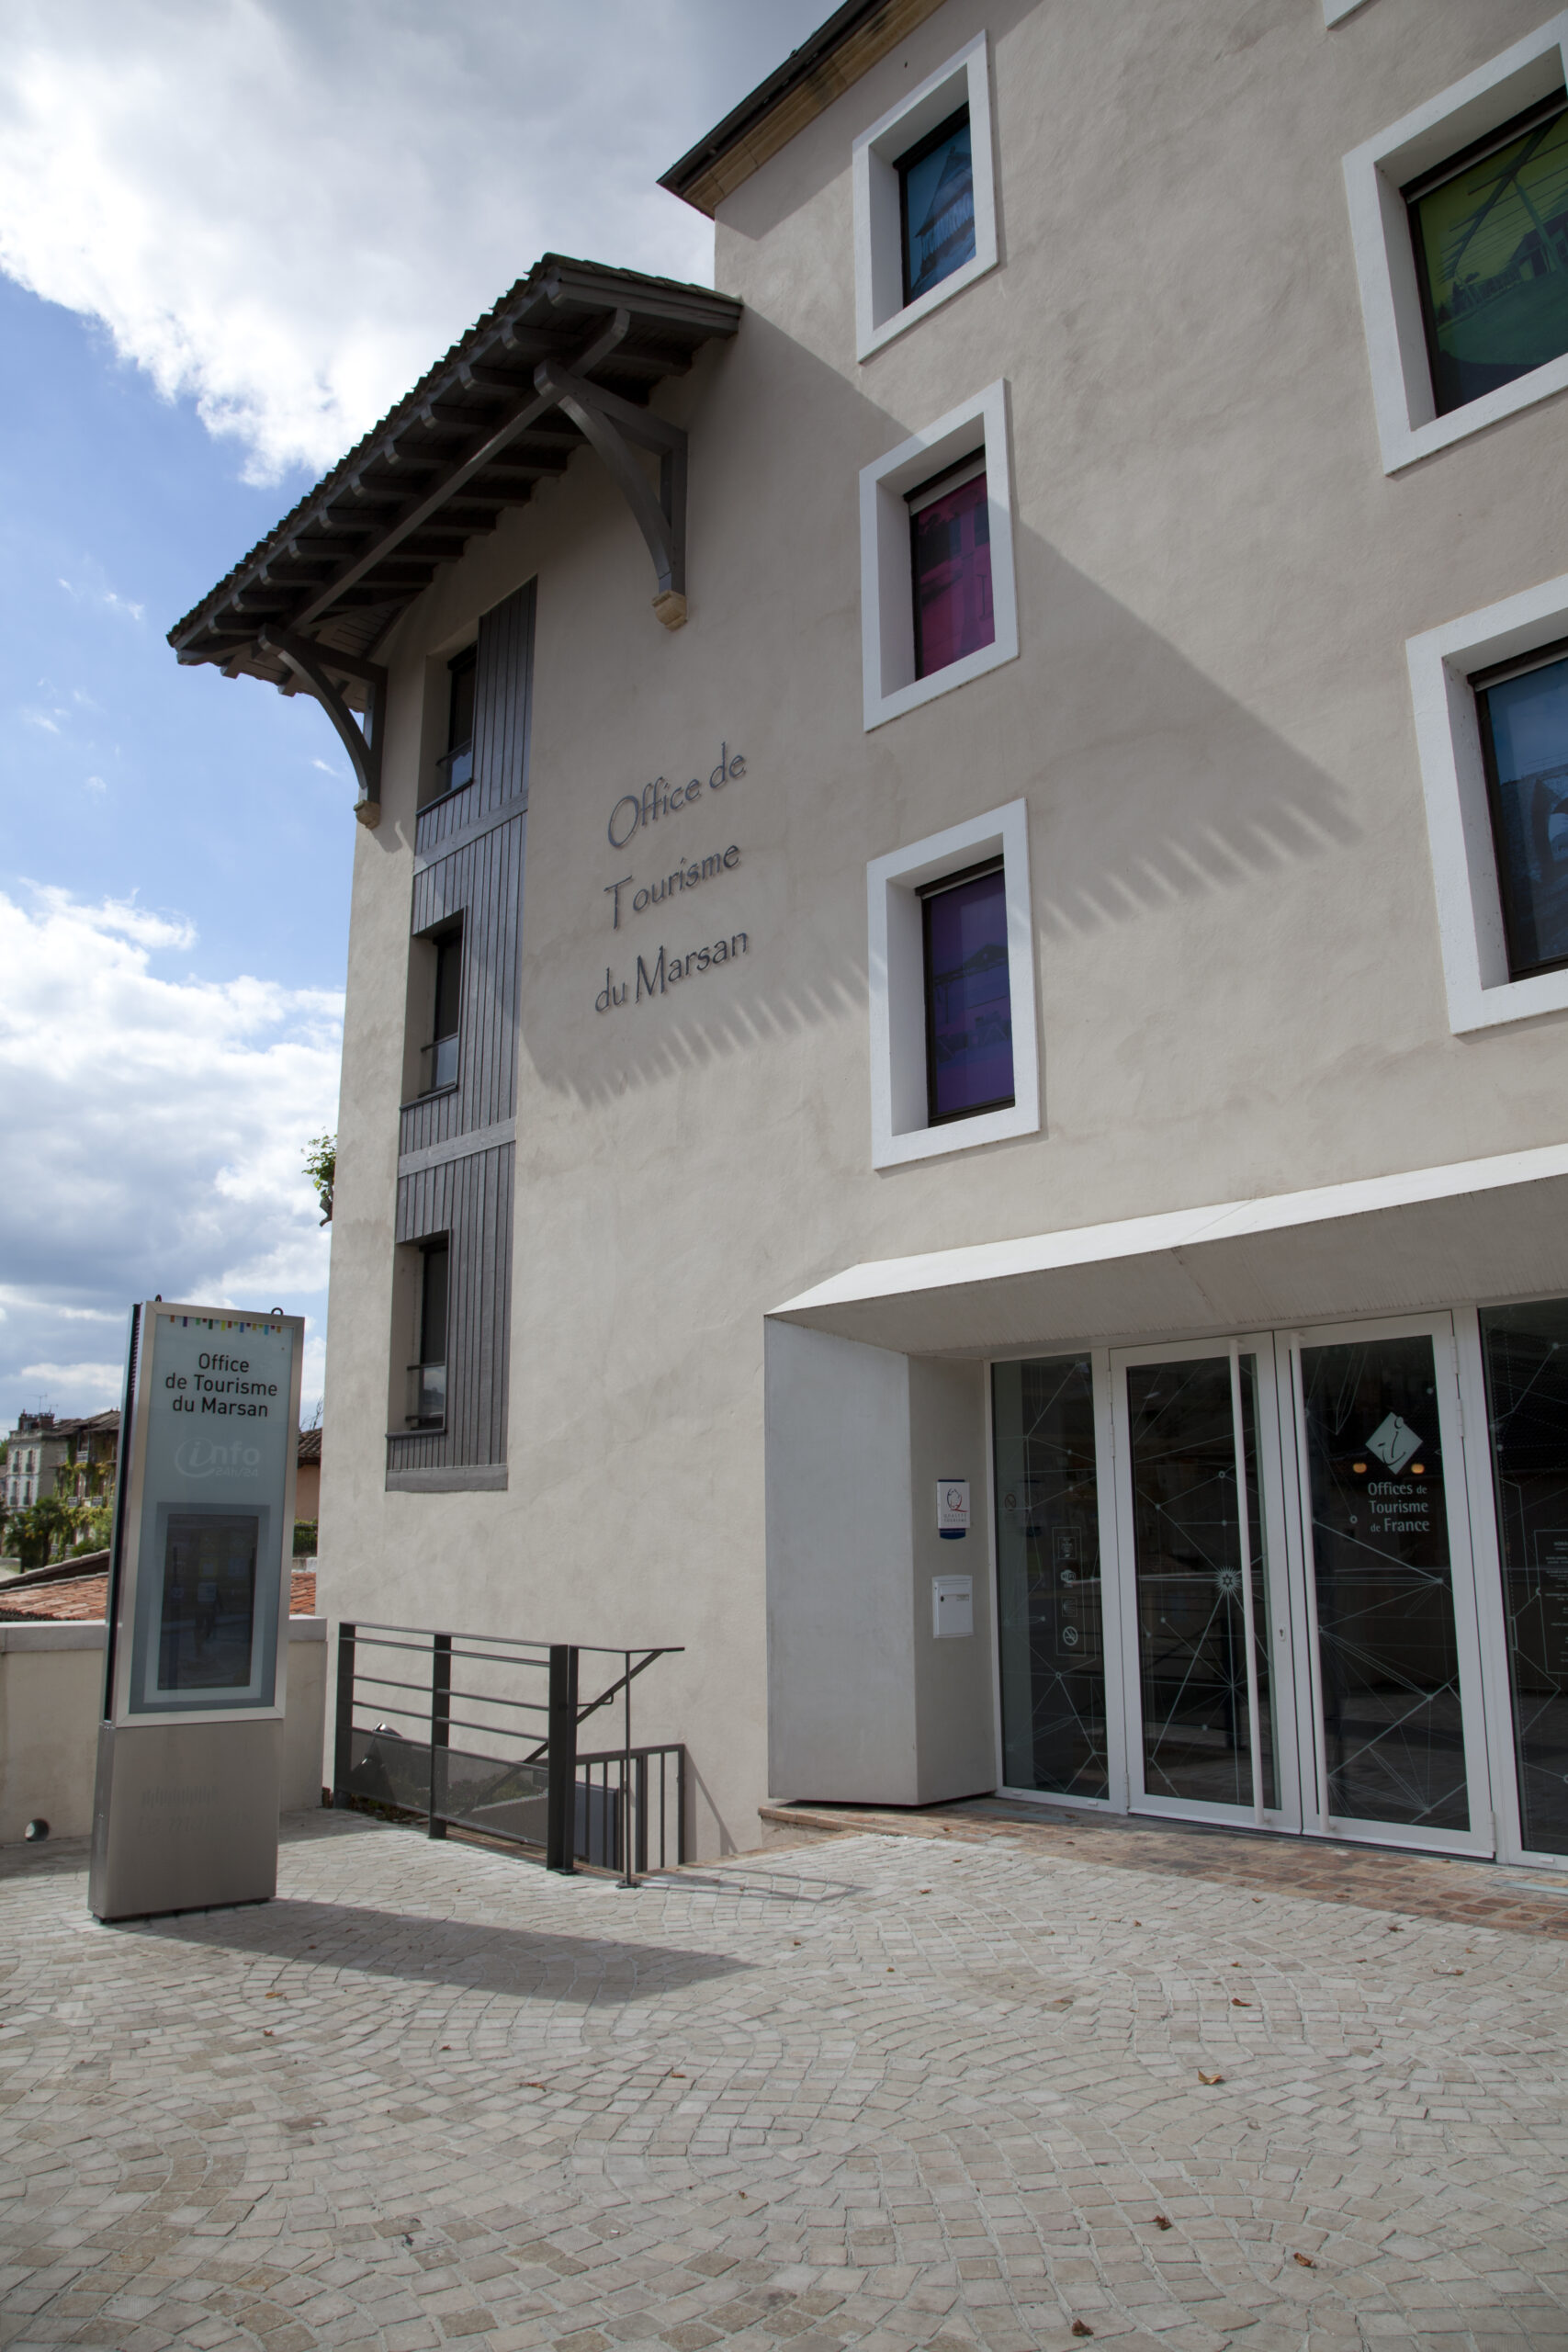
(1478, 1229)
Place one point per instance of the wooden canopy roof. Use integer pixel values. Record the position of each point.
(470, 440)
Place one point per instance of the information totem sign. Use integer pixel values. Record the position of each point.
(191, 1749)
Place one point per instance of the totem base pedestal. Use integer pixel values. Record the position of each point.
(184, 1818)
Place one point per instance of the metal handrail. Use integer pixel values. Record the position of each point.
(362, 1625)
(619, 1797)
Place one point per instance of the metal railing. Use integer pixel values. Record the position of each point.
(437, 1065)
(454, 768)
(426, 1399)
(515, 1771)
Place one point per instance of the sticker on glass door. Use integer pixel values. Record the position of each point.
(1388, 1637)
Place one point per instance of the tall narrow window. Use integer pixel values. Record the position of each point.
(456, 763)
(936, 204)
(1527, 1399)
(1490, 227)
(1523, 710)
(950, 541)
(968, 996)
(427, 1376)
(1048, 1617)
(441, 1054)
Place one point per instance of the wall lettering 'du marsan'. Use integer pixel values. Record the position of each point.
(634, 812)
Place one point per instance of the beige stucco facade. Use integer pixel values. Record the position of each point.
(52, 1688)
(1238, 981)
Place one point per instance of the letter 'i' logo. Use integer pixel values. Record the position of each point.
(1393, 1441)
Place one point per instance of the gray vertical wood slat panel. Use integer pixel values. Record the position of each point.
(484, 884)
(503, 665)
(471, 1199)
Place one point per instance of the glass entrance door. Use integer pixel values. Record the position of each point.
(1300, 1642)
(1394, 1653)
(1208, 1634)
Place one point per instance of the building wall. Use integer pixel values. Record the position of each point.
(1239, 983)
(52, 1689)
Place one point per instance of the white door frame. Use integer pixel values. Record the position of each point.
(1458, 1486)
(1283, 1680)
(1115, 1799)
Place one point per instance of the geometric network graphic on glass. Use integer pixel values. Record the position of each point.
(1527, 1388)
(1393, 1721)
(1188, 1548)
(936, 196)
(968, 996)
(1491, 241)
(1524, 735)
(950, 557)
(1050, 1635)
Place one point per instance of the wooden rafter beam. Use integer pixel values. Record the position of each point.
(310, 663)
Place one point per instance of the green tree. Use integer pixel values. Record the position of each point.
(50, 1529)
(320, 1167)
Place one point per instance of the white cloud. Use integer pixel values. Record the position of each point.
(287, 212)
(97, 1381)
(110, 915)
(123, 607)
(154, 1130)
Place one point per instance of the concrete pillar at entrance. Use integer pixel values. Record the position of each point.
(865, 1705)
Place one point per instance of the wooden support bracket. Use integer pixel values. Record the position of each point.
(613, 426)
(308, 662)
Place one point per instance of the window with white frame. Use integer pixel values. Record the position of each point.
(1458, 217)
(1490, 700)
(924, 201)
(938, 597)
(955, 1054)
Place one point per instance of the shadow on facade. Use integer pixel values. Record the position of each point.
(1208, 802)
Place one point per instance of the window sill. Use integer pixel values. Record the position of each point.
(415, 1101)
(955, 1135)
(878, 337)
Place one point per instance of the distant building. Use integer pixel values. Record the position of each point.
(40, 1446)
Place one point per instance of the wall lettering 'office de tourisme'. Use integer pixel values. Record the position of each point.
(963, 884)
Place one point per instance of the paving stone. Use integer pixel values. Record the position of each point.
(871, 2092)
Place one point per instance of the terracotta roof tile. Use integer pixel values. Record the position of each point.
(82, 1599)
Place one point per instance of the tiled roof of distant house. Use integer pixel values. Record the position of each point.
(84, 1599)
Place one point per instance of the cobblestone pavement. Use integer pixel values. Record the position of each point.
(1432, 1887)
(879, 2091)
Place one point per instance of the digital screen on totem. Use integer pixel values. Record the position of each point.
(206, 1621)
(205, 1597)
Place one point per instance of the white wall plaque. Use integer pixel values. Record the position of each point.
(951, 1508)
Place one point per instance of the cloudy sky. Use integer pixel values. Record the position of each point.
(232, 232)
